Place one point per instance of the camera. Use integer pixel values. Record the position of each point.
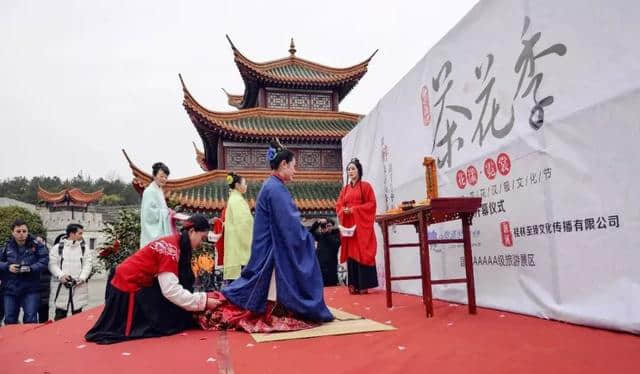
(72, 283)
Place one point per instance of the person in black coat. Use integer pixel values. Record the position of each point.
(327, 235)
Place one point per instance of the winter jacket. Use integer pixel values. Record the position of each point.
(34, 255)
(76, 264)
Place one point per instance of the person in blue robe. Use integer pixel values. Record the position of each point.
(283, 266)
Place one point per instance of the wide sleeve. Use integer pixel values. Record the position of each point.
(150, 209)
(174, 292)
(286, 219)
(218, 228)
(341, 204)
(364, 216)
(366, 211)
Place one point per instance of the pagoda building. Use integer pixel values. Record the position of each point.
(291, 98)
(71, 205)
(69, 199)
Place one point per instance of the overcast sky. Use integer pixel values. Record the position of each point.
(80, 80)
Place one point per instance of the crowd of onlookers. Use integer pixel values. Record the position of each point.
(27, 266)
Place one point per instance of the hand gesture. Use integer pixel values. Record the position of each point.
(65, 279)
(212, 303)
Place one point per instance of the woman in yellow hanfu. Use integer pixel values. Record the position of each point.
(238, 228)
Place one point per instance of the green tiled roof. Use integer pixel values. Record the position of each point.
(293, 126)
(308, 195)
(300, 72)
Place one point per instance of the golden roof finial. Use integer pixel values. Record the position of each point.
(292, 48)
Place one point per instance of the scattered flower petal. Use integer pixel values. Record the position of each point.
(402, 348)
(502, 316)
(249, 345)
(450, 324)
(211, 359)
(388, 322)
(29, 360)
(81, 346)
(126, 354)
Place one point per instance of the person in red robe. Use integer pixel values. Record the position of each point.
(151, 293)
(218, 228)
(356, 206)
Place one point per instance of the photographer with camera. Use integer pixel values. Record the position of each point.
(71, 265)
(21, 261)
(325, 232)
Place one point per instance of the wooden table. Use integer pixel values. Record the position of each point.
(440, 210)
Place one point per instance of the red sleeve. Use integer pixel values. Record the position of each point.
(365, 212)
(341, 203)
(364, 216)
(166, 253)
(218, 228)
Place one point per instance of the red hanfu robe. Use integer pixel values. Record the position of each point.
(218, 228)
(361, 200)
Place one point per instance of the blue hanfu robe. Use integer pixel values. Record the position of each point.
(281, 245)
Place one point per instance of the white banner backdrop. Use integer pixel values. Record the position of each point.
(532, 105)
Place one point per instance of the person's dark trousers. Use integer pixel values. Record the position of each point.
(61, 313)
(29, 304)
(1, 308)
(43, 313)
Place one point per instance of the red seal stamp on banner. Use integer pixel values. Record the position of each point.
(490, 168)
(461, 179)
(504, 163)
(472, 175)
(426, 109)
(505, 233)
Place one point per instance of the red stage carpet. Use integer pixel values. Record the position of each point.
(452, 342)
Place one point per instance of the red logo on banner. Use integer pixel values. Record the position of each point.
(504, 163)
(426, 110)
(461, 178)
(472, 175)
(505, 232)
(490, 168)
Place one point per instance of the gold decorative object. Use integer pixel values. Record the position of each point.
(431, 177)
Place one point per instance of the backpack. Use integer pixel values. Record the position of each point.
(82, 248)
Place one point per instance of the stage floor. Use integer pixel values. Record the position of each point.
(451, 342)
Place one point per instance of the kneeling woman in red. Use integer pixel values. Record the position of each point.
(151, 293)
